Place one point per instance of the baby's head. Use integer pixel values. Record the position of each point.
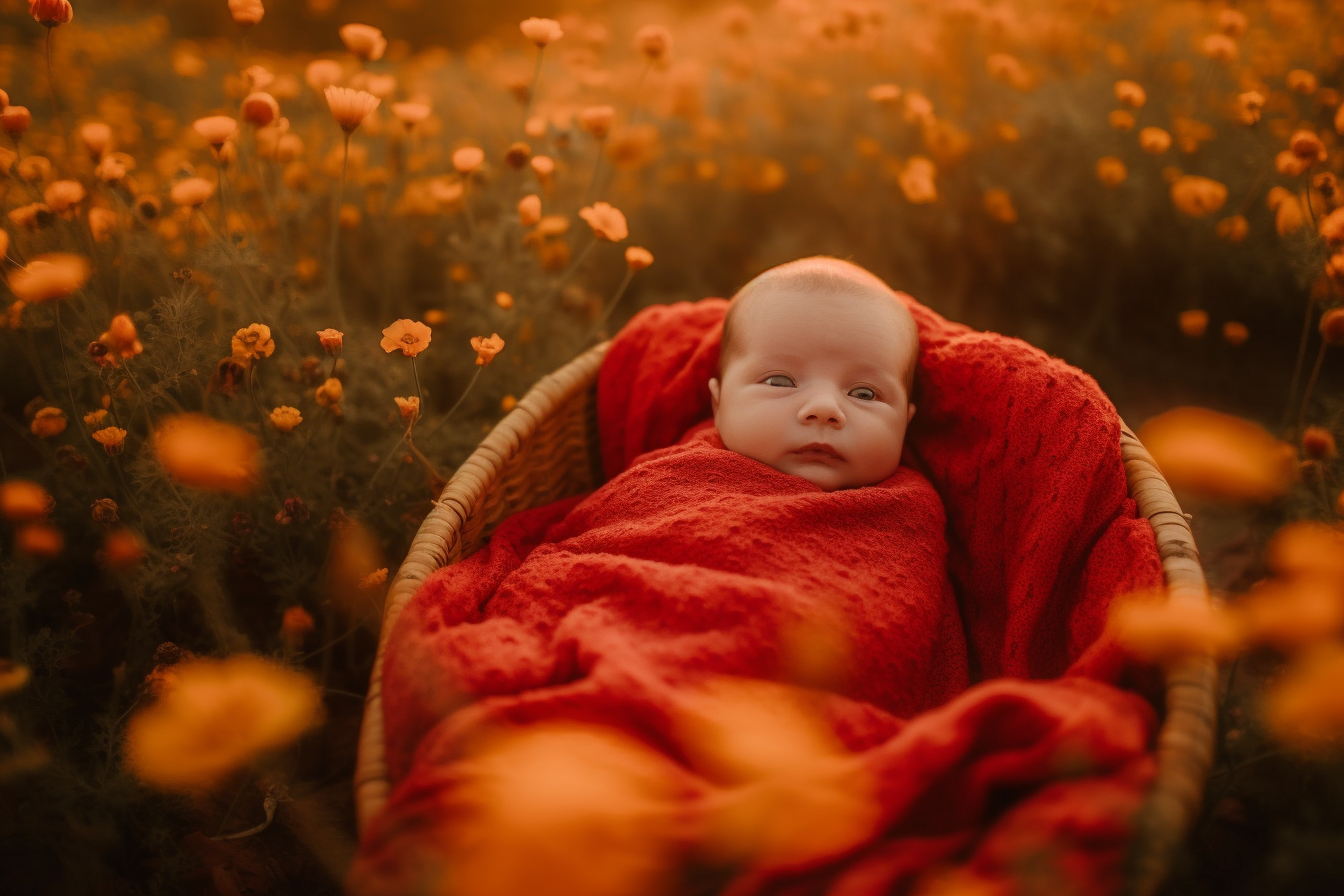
(815, 372)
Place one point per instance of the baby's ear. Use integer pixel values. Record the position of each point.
(714, 395)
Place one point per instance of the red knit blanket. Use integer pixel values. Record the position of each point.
(875, 610)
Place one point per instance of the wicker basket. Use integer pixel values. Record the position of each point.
(546, 449)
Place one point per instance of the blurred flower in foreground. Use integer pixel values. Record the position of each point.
(1304, 708)
(1217, 455)
(1307, 550)
(562, 809)
(411, 336)
(792, 794)
(1154, 628)
(486, 347)
(216, 716)
(22, 501)
(205, 453)
(56, 275)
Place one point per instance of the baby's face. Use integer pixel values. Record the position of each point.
(814, 386)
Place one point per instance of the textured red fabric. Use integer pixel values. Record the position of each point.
(608, 609)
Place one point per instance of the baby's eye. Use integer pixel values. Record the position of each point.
(779, 379)
(863, 393)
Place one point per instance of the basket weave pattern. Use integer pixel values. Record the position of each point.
(546, 449)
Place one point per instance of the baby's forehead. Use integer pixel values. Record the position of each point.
(880, 307)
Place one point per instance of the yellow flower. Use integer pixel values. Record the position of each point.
(22, 501)
(350, 107)
(285, 418)
(217, 716)
(486, 348)
(637, 258)
(607, 221)
(208, 454)
(253, 341)
(56, 275)
(48, 422)
(365, 41)
(541, 31)
(410, 336)
(112, 438)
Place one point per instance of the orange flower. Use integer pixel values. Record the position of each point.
(112, 438)
(1332, 326)
(1154, 140)
(541, 31)
(217, 716)
(122, 550)
(192, 191)
(597, 120)
(294, 626)
(1249, 106)
(653, 42)
(1111, 171)
(1331, 227)
(410, 336)
(102, 223)
(1131, 94)
(1218, 455)
(1291, 615)
(39, 540)
(105, 511)
(246, 12)
(1307, 549)
(332, 340)
(532, 802)
(259, 109)
(56, 275)
(1289, 164)
(1304, 708)
(1198, 196)
(1303, 144)
(62, 195)
(48, 422)
(208, 454)
(1288, 215)
(1121, 119)
(374, 580)
(322, 73)
(121, 337)
(95, 418)
(1161, 631)
(637, 258)
(253, 341)
(504, 300)
(409, 408)
(486, 348)
(1301, 81)
(51, 12)
(216, 129)
(13, 677)
(14, 120)
(468, 159)
(1235, 333)
(365, 41)
(1233, 229)
(96, 137)
(999, 206)
(329, 394)
(529, 210)
(350, 107)
(1219, 47)
(1193, 323)
(884, 94)
(410, 114)
(285, 418)
(22, 501)
(917, 181)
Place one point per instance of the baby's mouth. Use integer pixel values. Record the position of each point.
(817, 451)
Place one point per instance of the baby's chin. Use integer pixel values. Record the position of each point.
(825, 476)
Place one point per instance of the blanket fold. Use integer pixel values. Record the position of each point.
(929, 652)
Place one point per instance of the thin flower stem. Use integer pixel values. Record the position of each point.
(611, 306)
(339, 199)
(419, 396)
(457, 404)
(532, 89)
(69, 389)
(466, 207)
(51, 81)
(639, 92)
(1297, 366)
(251, 393)
(591, 193)
(570, 271)
(1311, 384)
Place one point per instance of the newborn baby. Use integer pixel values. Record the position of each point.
(815, 372)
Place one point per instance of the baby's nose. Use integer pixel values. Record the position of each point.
(820, 406)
